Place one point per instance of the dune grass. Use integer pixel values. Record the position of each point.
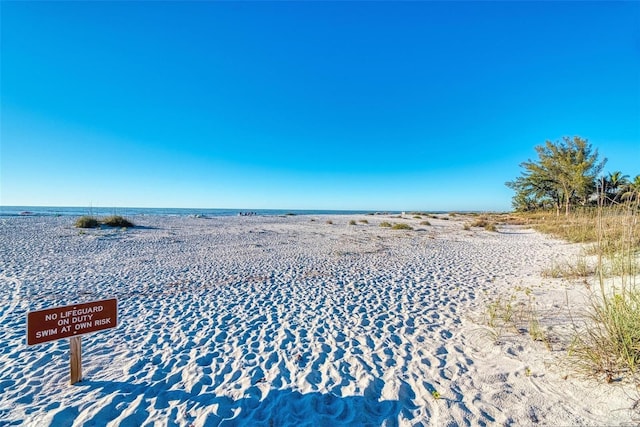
(88, 221)
(401, 226)
(483, 222)
(117, 221)
(578, 269)
(607, 340)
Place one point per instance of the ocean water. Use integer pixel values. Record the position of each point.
(104, 211)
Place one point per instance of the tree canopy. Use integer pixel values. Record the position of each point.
(563, 175)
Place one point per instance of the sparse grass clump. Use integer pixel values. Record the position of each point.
(417, 217)
(401, 226)
(352, 222)
(425, 223)
(610, 344)
(491, 227)
(569, 270)
(87, 221)
(482, 222)
(385, 224)
(364, 221)
(515, 314)
(117, 221)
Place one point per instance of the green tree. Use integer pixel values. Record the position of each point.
(631, 191)
(564, 174)
(615, 184)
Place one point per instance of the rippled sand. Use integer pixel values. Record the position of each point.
(290, 321)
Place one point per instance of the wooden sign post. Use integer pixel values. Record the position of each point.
(72, 321)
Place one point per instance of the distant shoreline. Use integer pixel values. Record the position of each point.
(10, 211)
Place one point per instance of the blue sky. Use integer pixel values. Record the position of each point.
(298, 105)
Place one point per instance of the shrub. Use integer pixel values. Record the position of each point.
(364, 221)
(480, 222)
(117, 221)
(87, 222)
(401, 226)
(352, 222)
(385, 224)
(417, 217)
(425, 223)
(484, 223)
(490, 227)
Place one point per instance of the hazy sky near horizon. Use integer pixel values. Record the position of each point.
(307, 105)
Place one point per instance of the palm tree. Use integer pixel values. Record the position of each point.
(616, 184)
(631, 191)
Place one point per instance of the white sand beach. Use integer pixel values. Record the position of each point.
(292, 321)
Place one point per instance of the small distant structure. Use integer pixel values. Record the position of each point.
(247, 214)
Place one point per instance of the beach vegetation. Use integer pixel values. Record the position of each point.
(329, 222)
(607, 338)
(564, 175)
(87, 221)
(578, 269)
(385, 224)
(364, 221)
(517, 314)
(352, 222)
(117, 221)
(401, 226)
(417, 217)
(609, 343)
(491, 227)
(425, 223)
(482, 222)
(606, 341)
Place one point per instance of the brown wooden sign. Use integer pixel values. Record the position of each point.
(71, 320)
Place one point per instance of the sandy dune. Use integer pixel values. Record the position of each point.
(291, 321)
